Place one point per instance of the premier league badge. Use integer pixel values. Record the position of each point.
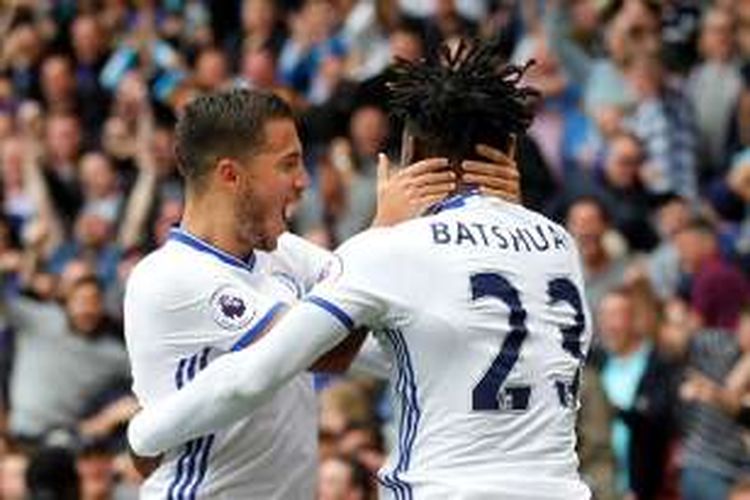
(231, 308)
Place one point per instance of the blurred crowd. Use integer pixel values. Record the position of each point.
(641, 148)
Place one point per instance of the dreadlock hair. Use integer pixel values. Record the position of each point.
(471, 97)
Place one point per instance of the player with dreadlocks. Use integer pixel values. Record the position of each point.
(478, 304)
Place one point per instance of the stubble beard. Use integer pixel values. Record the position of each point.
(249, 221)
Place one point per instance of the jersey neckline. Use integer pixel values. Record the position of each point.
(452, 202)
(180, 235)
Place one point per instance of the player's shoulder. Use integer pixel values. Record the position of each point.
(370, 241)
(168, 271)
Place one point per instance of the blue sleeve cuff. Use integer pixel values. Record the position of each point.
(334, 310)
(248, 337)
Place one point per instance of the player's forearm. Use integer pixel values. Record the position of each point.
(236, 383)
(340, 358)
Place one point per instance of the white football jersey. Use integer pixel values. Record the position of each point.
(481, 306)
(188, 303)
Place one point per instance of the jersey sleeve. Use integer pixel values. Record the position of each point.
(361, 280)
(237, 382)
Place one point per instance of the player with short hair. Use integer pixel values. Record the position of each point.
(221, 279)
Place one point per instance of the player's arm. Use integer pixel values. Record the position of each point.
(338, 359)
(237, 382)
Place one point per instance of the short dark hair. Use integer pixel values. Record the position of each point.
(223, 124)
(471, 97)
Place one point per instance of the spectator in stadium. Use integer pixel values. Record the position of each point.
(730, 193)
(59, 86)
(211, 70)
(718, 291)
(355, 160)
(366, 30)
(662, 265)
(312, 41)
(663, 120)
(564, 133)
(23, 49)
(65, 357)
(90, 49)
(343, 404)
(639, 386)
(446, 24)
(629, 28)
(262, 28)
(713, 88)
(617, 184)
(63, 146)
(604, 268)
(713, 454)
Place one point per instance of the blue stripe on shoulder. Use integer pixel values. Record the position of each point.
(335, 310)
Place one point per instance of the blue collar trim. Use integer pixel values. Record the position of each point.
(182, 236)
(455, 201)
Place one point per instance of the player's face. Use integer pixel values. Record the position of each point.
(271, 185)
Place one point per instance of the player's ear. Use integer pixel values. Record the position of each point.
(227, 171)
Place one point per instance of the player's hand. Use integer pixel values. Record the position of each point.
(145, 466)
(407, 192)
(497, 177)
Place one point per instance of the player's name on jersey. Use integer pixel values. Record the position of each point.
(526, 238)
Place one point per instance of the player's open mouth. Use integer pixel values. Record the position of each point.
(288, 210)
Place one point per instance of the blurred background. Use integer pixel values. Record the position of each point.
(641, 148)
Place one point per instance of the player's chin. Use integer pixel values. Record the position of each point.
(273, 232)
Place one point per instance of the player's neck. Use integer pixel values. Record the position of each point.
(213, 226)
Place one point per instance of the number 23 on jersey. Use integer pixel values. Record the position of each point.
(490, 393)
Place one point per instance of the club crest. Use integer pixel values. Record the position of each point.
(231, 308)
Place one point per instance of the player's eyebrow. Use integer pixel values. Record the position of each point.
(292, 155)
